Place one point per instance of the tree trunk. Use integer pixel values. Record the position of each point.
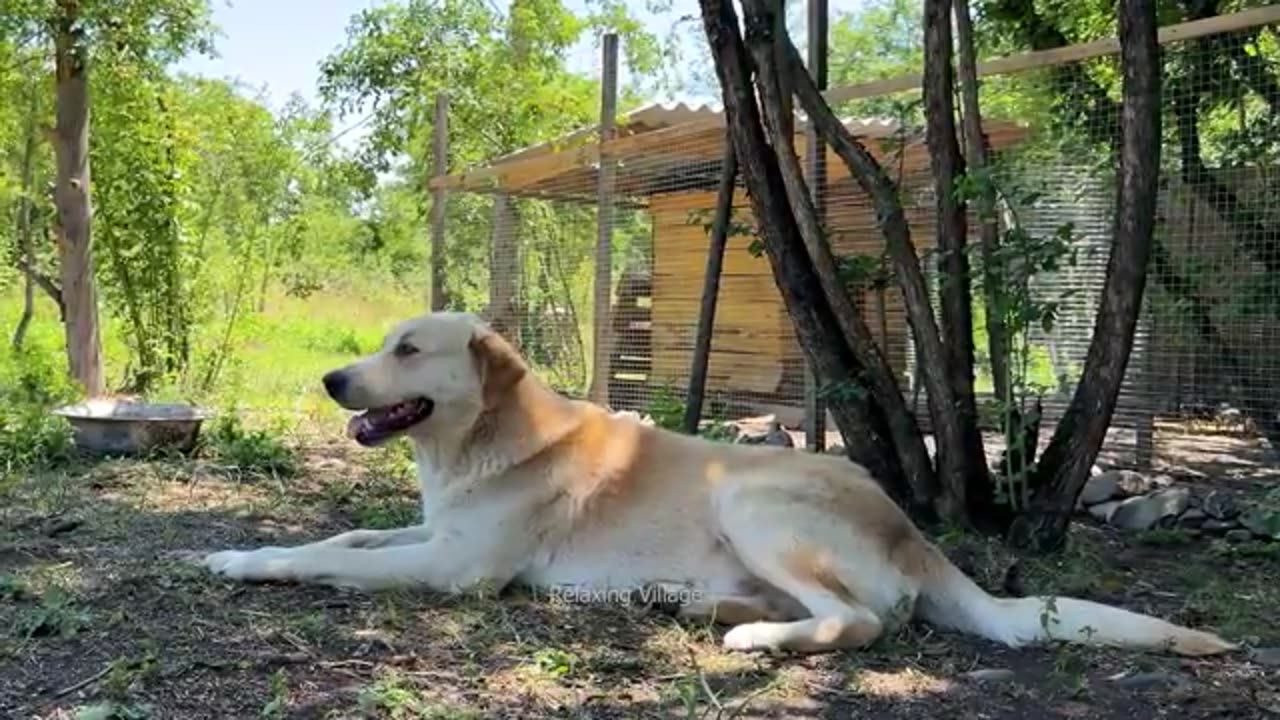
(861, 421)
(1064, 466)
(26, 248)
(893, 224)
(967, 477)
(766, 38)
(72, 196)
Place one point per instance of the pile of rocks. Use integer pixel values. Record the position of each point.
(1132, 501)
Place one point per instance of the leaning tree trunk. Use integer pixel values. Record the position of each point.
(766, 38)
(860, 419)
(954, 465)
(72, 197)
(1064, 466)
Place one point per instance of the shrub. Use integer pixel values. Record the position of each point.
(253, 451)
(31, 385)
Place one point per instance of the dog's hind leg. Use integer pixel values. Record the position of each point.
(729, 609)
(850, 590)
(836, 621)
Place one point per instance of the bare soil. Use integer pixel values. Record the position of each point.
(100, 612)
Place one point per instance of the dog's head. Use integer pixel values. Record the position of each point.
(439, 370)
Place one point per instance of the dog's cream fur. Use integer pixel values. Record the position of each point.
(796, 551)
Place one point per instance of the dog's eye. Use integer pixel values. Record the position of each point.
(404, 349)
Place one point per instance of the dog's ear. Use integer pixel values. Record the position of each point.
(500, 366)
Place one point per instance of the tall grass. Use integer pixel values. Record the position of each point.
(271, 367)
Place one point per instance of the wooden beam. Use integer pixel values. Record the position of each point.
(603, 286)
(547, 165)
(711, 289)
(815, 411)
(504, 269)
(1034, 60)
(440, 168)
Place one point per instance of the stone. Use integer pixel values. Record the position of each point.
(1239, 535)
(1099, 489)
(1133, 483)
(753, 431)
(1126, 483)
(1103, 511)
(1192, 518)
(1151, 680)
(1262, 523)
(1142, 513)
(779, 436)
(990, 675)
(1220, 505)
(1218, 527)
(1269, 656)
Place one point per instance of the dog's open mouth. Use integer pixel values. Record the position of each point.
(377, 425)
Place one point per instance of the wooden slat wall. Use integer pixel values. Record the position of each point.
(754, 341)
(747, 346)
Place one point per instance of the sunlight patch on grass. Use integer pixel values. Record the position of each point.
(900, 684)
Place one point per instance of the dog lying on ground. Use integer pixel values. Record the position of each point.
(796, 551)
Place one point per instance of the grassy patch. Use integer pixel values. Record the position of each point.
(251, 452)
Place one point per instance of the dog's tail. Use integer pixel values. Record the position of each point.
(950, 599)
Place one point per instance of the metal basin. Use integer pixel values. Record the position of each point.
(122, 427)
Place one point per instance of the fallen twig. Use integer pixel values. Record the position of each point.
(83, 683)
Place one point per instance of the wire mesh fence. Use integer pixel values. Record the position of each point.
(521, 238)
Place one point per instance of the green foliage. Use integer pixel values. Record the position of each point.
(56, 614)
(137, 192)
(31, 385)
(1008, 277)
(879, 40)
(249, 451)
(666, 408)
(111, 710)
(555, 662)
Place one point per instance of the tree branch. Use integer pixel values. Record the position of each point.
(45, 283)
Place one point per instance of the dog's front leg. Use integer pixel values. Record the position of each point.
(437, 564)
(369, 539)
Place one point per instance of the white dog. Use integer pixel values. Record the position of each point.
(796, 551)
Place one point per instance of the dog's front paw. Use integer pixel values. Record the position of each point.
(266, 563)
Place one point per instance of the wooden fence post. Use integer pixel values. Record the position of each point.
(604, 226)
(711, 287)
(815, 411)
(439, 168)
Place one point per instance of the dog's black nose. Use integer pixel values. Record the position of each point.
(334, 383)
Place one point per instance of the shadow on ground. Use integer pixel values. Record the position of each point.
(95, 608)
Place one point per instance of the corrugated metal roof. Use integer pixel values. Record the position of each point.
(661, 115)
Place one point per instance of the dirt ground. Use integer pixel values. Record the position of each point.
(100, 617)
